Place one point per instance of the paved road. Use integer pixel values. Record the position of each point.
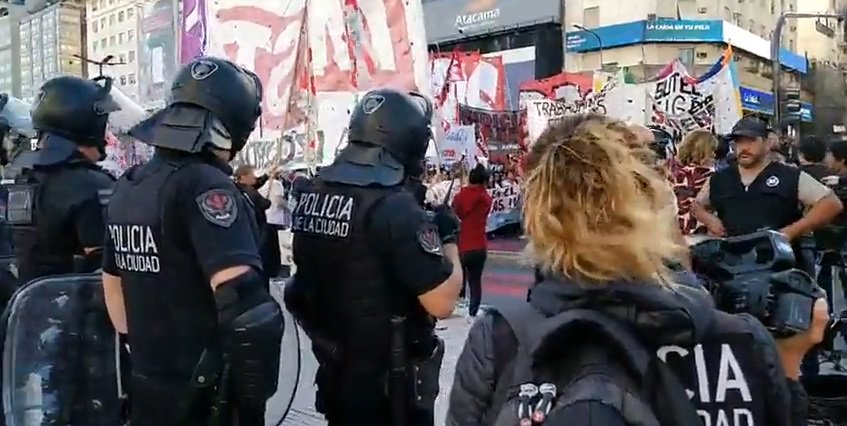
(505, 281)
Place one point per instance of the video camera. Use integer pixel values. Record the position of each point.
(755, 274)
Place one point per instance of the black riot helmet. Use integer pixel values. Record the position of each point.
(75, 109)
(231, 93)
(395, 121)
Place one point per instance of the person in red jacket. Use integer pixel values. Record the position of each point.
(472, 205)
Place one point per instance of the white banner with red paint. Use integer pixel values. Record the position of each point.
(466, 78)
(311, 69)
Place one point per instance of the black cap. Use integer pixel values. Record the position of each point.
(749, 127)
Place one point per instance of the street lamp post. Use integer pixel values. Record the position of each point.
(775, 63)
(599, 41)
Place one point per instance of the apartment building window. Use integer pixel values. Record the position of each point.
(120, 16)
(94, 46)
(112, 19)
(94, 7)
(591, 17)
(737, 18)
(762, 31)
(102, 22)
(121, 38)
(132, 78)
(122, 58)
(94, 26)
(752, 26)
(773, 7)
(130, 13)
(103, 42)
(727, 13)
(112, 41)
(123, 80)
(130, 35)
(111, 2)
(131, 56)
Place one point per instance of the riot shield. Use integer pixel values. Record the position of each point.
(289, 366)
(15, 113)
(61, 360)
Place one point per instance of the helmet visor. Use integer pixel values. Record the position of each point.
(15, 113)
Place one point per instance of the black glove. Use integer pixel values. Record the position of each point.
(448, 224)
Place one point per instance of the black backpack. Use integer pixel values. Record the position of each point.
(545, 364)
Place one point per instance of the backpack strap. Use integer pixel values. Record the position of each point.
(511, 342)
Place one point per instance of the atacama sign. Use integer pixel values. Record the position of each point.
(453, 19)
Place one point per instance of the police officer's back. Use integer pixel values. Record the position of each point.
(761, 194)
(176, 225)
(56, 208)
(372, 268)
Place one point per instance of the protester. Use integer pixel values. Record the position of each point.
(695, 165)
(811, 156)
(472, 205)
(249, 184)
(591, 221)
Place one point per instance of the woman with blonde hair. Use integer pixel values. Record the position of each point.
(696, 163)
(608, 310)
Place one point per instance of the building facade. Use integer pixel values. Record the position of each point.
(696, 33)
(114, 28)
(10, 47)
(50, 40)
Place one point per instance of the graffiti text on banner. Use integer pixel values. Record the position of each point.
(679, 104)
(500, 132)
(505, 206)
(288, 151)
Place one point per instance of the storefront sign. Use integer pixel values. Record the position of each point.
(448, 20)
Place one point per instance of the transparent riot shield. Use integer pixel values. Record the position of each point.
(60, 355)
(15, 113)
(289, 367)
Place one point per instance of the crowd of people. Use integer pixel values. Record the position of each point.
(617, 329)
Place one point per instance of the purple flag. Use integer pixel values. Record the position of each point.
(193, 30)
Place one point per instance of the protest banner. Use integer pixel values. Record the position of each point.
(505, 206)
(458, 141)
(680, 103)
(500, 134)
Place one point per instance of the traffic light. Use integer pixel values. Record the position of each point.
(791, 105)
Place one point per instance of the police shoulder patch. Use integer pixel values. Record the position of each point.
(218, 206)
(429, 241)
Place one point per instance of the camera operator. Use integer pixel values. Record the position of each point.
(761, 194)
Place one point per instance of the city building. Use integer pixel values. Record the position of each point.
(603, 34)
(50, 38)
(527, 35)
(10, 47)
(818, 38)
(113, 28)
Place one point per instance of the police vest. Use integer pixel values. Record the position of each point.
(347, 279)
(770, 201)
(170, 310)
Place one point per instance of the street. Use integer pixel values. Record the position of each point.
(505, 281)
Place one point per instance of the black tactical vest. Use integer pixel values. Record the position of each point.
(770, 201)
(347, 279)
(817, 171)
(171, 312)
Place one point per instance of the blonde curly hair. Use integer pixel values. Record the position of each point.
(697, 147)
(591, 204)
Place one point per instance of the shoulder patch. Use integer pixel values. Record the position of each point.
(218, 206)
(429, 241)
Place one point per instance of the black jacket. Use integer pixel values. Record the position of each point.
(666, 317)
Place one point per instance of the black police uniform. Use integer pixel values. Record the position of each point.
(365, 250)
(770, 201)
(56, 208)
(175, 222)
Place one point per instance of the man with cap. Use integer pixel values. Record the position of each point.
(758, 193)
(374, 270)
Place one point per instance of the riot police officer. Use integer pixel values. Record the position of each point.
(373, 269)
(56, 208)
(182, 270)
